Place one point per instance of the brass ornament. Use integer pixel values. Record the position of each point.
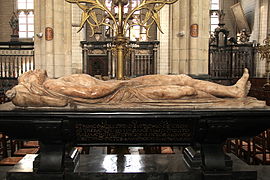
(120, 22)
(264, 51)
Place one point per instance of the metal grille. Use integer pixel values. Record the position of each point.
(15, 59)
(141, 59)
(229, 61)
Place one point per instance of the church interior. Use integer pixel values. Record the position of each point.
(211, 40)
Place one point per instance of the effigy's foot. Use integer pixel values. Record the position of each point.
(243, 86)
(166, 150)
(248, 86)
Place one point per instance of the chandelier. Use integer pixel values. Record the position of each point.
(95, 13)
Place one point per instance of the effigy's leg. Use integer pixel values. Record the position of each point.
(239, 90)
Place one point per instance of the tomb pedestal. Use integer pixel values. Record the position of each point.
(59, 130)
(131, 167)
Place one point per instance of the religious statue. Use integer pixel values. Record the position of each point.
(14, 24)
(244, 36)
(35, 89)
(221, 16)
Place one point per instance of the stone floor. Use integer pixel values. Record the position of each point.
(3, 171)
(263, 172)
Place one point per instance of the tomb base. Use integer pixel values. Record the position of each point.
(132, 167)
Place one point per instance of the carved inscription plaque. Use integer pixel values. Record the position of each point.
(134, 131)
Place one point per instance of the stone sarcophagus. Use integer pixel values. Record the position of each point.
(157, 110)
(60, 129)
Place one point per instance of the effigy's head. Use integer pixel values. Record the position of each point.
(37, 76)
(11, 93)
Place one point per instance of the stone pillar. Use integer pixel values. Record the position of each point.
(6, 11)
(49, 45)
(77, 61)
(40, 14)
(164, 38)
(256, 26)
(263, 20)
(268, 31)
(68, 38)
(193, 41)
(262, 34)
(182, 33)
(59, 46)
(194, 52)
(182, 52)
(175, 40)
(53, 55)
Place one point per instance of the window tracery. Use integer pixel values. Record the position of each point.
(26, 18)
(214, 15)
(136, 32)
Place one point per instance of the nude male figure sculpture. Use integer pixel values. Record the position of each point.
(35, 89)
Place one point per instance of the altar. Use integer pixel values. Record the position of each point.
(60, 129)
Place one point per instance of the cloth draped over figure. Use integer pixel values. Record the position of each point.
(35, 89)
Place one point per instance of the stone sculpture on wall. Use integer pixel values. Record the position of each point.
(14, 24)
(35, 89)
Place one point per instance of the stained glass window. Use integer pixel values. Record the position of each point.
(214, 4)
(26, 18)
(214, 21)
(136, 32)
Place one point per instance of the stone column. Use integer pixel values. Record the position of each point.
(262, 34)
(175, 40)
(164, 38)
(68, 38)
(256, 26)
(37, 30)
(77, 61)
(184, 53)
(59, 46)
(40, 14)
(182, 33)
(263, 20)
(268, 31)
(49, 44)
(53, 55)
(6, 10)
(194, 41)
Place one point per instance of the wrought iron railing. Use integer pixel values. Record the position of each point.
(229, 61)
(141, 59)
(6, 84)
(15, 59)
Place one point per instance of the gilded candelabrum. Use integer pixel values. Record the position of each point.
(121, 22)
(264, 51)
